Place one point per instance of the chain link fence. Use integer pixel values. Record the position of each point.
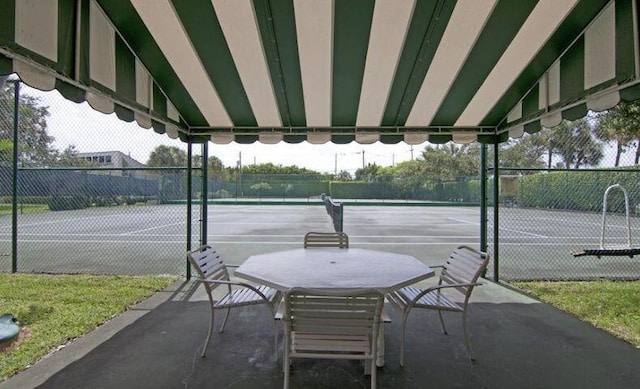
(114, 215)
(548, 216)
(105, 213)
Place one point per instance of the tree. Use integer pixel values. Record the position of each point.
(621, 125)
(410, 173)
(574, 142)
(451, 161)
(343, 175)
(167, 156)
(367, 173)
(34, 144)
(270, 168)
(69, 157)
(525, 153)
(6, 150)
(215, 167)
(261, 188)
(543, 140)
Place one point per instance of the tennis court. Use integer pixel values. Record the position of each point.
(151, 239)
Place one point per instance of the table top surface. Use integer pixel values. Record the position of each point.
(333, 268)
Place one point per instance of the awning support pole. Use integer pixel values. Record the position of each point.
(189, 201)
(204, 194)
(483, 197)
(496, 219)
(14, 189)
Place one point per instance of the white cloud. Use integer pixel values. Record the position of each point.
(91, 131)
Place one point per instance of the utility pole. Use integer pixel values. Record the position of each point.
(412, 152)
(363, 159)
(335, 165)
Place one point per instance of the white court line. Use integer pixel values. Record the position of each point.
(594, 245)
(581, 223)
(265, 236)
(235, 242)
(523, 232)
(426, 223)
(151, 228)
(463, 221)
(61, 220)
(502, 229)
(95, 241)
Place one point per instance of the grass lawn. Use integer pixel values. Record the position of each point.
(613, 306)
(55, 309)
(5, 209)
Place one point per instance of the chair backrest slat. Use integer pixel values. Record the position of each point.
(353, 315)
(464, 266)
(326, 239)
(208, 264)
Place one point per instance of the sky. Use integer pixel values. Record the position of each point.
(92, 131)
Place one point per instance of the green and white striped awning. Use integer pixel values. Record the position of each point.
(329, 70)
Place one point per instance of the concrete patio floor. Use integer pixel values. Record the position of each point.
(519, 343)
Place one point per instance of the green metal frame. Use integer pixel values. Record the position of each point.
(14, 189)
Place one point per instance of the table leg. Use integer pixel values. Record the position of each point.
(380, 356)
(380, 360)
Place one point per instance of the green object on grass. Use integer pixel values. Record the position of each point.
(9, 328)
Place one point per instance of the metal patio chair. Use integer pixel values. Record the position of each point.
(214, 273)
(332, 325)
(459, 276)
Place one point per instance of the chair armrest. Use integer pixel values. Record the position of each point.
(438, 287)
(236, 283)
(279, 311)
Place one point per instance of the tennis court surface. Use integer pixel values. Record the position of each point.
(152, 239)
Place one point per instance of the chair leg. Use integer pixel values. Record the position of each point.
(206, 342)
(286, 362)
(467, 342)
(275, 333)
(224, 322)
(444, 329)
(374, 370)
(404, 329)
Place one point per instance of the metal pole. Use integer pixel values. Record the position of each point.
(205, 190)
(240, 172)
(483, 197)
(189, 201)
(14, 192)
(496, 219)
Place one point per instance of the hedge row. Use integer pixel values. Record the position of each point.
(580, 191)
(460, 190)
(64, 203)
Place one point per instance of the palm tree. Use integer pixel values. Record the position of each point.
(621, 125)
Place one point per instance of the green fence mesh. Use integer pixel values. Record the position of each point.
(106, 212)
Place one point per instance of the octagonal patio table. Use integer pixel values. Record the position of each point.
(336, 269)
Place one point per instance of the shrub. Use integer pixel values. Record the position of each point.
(64, 203)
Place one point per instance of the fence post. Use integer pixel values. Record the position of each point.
(205, 193)
(189, 201)
(483, 197)
(496, 218)
(14, 189)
